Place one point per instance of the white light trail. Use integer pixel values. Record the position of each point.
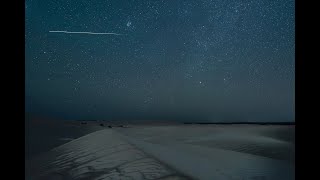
(93, 33)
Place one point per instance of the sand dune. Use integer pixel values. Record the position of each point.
(276, 142)
(172, 152)
(99, 155)
(218, 152)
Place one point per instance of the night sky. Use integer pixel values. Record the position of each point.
(199, 60)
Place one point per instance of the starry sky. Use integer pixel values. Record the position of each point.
(184, 60)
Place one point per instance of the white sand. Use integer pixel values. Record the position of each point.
(164, 152)
(195, 150)
(99, 155)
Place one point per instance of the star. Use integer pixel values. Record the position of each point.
(128, 23)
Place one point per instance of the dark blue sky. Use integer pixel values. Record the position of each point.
(201, 60)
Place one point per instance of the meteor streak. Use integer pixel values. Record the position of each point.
(93, 33)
